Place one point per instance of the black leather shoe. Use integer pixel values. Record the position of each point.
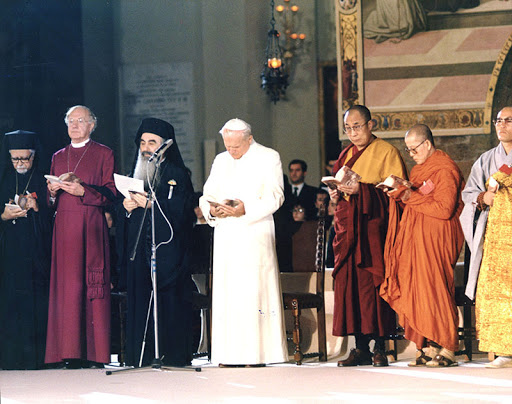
(380, 359)
(57, 365)
(72, 364)
(357, 357)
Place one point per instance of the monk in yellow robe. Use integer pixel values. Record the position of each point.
(494, 303)
(488, 198)
(361, 222)
(419, 282)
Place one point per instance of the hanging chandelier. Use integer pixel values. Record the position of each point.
(274, 78)
(288, 16)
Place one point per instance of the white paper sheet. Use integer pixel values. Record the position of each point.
(126, 184)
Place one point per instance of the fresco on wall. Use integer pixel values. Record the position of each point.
(440, 76)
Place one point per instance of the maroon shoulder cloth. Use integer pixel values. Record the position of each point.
(360, 225)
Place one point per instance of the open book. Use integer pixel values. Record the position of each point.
(66, 177)
(12, 205)
(345, 176)
(393, 182)
(20, 201)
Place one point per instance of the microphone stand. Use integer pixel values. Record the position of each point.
(157, 361)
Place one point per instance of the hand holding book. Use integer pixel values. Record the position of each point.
(345, 176)
(66, 177)
(393, 183)
(345, 179)
(13, 211)
(227, 208)
(396, 187)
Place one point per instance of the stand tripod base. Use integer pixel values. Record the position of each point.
(155, 365)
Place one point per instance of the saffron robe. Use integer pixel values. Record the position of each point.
(361, 223)
(419, 282)
(79, 307)
(25, 248)
(493, 307)
(247, 306)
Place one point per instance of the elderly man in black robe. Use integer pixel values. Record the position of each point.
(174, 218)
(25, 237)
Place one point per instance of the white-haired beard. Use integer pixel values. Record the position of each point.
(144, 169)
(23, 170)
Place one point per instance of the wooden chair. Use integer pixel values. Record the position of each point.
(467, 332)
(307, 259)
(392, 339)
(201, 270)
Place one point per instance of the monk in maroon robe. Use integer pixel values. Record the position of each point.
(79, 307)
(361, 221)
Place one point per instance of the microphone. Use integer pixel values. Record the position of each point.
(162, 149)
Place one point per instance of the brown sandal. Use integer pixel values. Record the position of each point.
(420, 360)
(442, 361)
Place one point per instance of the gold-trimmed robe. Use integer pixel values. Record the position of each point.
(494, 292)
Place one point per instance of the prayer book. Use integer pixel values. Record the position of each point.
(52, 178)
(345, 176)
(66, 177)
(393, 182)
(20, 201)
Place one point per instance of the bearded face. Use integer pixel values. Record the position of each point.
(144, 169)
(21, 170)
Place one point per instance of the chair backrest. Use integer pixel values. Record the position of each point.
(308, 246)
(201, 249)
(304, 247)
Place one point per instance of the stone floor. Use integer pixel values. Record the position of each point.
(283, 383)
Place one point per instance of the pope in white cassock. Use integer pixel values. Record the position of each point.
(246, 181)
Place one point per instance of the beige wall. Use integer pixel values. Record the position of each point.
(225, 40)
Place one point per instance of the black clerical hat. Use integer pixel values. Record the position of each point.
(166, 131)
(20, 139)
(156, 126)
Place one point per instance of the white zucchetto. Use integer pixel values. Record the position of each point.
(235, 125)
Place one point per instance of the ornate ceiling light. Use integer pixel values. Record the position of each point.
(274, 79)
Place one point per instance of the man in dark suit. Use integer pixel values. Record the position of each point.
(302, 193)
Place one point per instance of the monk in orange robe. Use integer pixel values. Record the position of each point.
(361, 222)
(419, 282)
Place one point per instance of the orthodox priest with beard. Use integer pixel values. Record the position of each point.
(174, 218)
(25, 248)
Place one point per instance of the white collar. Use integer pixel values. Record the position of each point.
(81, 144)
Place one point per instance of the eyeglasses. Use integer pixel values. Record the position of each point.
(298, 210)
(355, 128)
(413, 150)
(499, 121)
(80, 121)
(17, 160)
